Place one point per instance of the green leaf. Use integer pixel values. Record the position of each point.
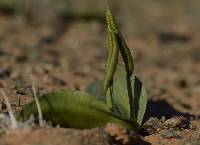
(96, 89)
(75, 109)
(120, 97)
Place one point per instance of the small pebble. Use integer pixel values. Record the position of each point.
(4, 73)
(182, 83)
(153, 125)
(176, 121)
(3, 105)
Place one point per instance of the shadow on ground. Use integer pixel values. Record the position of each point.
(163, 108)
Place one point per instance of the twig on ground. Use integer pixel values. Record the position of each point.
(19, 101)
(40, 117)
(14, 123)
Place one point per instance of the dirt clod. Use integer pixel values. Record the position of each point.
(124, 136)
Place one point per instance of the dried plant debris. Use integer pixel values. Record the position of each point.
(155, 125)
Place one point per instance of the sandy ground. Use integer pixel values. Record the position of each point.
(68, 52)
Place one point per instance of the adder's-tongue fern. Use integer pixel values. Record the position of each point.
(116, 44)
(124, 94)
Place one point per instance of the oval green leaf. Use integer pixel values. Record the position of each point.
(75, 109)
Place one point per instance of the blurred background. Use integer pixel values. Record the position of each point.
(63, 44)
